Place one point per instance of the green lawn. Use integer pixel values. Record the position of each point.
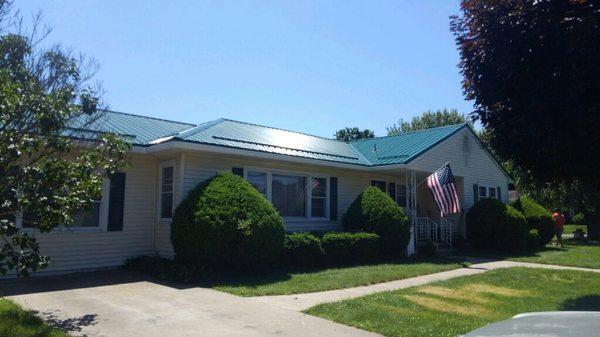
(569, 229)
(575, 253)
(16, 322)
(456, 306)
(284, 283)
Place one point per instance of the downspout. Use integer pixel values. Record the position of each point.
(181, 176)
(154, 209)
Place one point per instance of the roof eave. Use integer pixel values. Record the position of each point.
(178, 144)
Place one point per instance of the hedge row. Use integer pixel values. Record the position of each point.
(308, 250)
(537, 217)
(493, 226)
(225, 223)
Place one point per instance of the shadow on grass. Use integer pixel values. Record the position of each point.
(170, 271)
(569, 244)
(584, 303)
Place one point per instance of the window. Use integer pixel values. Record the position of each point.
(294, 195)
(258, 180)
(318, 197)
(92, 217)
(166, 192)
(492, 192)
(29, 220)
(289, 195)
(391, 189)
(401, 195)
(380, 184)
(483, 192)
(88, 218)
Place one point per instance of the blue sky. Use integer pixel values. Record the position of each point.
(311, 66)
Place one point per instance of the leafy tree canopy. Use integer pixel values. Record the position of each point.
(348, 134)
(429, 119)
(49, 168)
(531, 68)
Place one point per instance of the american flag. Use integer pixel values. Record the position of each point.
(441, 184)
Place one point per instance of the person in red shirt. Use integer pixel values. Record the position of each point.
(559, 225)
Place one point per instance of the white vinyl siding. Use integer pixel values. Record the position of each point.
(84, 250)
(468, 160)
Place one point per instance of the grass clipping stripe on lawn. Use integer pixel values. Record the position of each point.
(457, 306)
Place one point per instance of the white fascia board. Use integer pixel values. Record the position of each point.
(187, 146)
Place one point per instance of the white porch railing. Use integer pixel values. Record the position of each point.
(446, 232)
(439, 233)
(423, 229)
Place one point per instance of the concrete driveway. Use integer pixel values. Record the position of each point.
(121, 303)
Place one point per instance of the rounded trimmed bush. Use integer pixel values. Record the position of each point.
(496, 227)
(374, 211)
(537, 217)
(302, 250)
(226, 223)
(579, 219)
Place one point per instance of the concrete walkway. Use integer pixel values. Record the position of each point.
(118, 303)
(121, 303)
(300, 302)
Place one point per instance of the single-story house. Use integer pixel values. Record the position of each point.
(310, 180)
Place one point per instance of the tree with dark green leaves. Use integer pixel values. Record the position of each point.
(429, 119)
(531, 69)
(348, 134)
(51, 165)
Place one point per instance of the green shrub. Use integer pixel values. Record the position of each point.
(579, 219)
(496, 227)
(537, 217)
(533, 239)
(302, 250)
(226, 223)
(375, 212)
(350, 248)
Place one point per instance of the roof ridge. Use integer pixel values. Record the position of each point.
(148, 117)
(404, 133)
(198, 128)
(280, 129)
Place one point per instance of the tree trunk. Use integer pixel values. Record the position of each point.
(593, 227)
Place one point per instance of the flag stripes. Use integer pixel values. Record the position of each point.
(441, 184)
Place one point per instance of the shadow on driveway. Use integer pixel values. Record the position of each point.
(42, 284)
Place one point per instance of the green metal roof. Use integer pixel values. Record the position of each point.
(399, 149)
(403, 148)
(141, 130)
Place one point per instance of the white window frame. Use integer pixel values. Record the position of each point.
(161, 166)
(487, 192)
(308, 195)
(102, 221)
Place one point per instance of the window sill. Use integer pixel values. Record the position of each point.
(300, 219)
